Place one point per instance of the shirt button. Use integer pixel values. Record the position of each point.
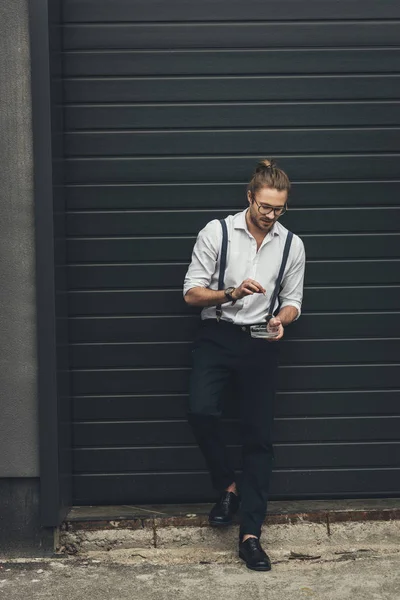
(243, 328)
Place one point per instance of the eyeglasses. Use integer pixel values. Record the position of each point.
(265, 209)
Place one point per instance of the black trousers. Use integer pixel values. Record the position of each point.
(223, 351)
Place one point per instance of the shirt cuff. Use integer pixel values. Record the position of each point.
(190, 285)
(295, 305)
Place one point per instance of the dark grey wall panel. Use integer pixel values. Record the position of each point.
(288, 114)
(169, 302)
(168, 106)
(182, 328)
(286, 430)
(195, 487)
(81, 11)
(164, 275)
(145, 459)
(330, 220)
(91, 90)
(129, 143)
(299, 352)
(138, 249)
(232, 62)
(222, 168)
(230, 195)
(154, 380)
(108, 36)
(290, 404)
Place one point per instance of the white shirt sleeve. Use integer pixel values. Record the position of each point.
(204, 257)
(293, 281)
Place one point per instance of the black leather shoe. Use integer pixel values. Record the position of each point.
(254, 556)
(223, 511)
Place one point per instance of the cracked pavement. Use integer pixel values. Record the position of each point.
(362, 574)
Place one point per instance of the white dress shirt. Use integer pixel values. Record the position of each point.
(243, 261)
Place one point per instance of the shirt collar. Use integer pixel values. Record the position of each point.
(240, 223)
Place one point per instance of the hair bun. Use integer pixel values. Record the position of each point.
(266, 163)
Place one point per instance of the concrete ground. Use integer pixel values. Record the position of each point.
(325, 559)
(357, 575)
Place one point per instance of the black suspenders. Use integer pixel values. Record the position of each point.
(222, 269)
(286, 249)
(222, 265)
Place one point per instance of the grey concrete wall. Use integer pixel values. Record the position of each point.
(19, 453)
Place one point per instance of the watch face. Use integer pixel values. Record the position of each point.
(229, 290)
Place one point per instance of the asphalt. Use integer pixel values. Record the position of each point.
(361, 575)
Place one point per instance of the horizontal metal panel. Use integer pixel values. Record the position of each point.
(173, 433)
(231, 62)
(189, 458)
(229, 195)
(169, 302)
(133, 143)
(313, 352)
(180, 329)
(164, 275)
(290, 114)
(126, 302)
(95, 90)
(351, 298)
(216, 168)
(188, 487)
(128, 223)
(352, 272)
(109, 36)
(289, 404)
(140, 249)
(157, 380)
(125, 277)
(96, 11)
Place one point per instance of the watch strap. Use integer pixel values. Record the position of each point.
(229, 295)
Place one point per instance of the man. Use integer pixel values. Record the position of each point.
(225, 349)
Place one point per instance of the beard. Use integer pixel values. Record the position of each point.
(256, 221)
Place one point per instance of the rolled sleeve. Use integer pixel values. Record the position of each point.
(293, 283)
(204, 257)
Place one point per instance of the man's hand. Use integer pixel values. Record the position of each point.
(247, 288)
(200, 296)
(275, 325)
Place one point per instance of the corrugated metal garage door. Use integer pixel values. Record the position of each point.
(169, 104)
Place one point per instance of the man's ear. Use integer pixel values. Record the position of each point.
(249, 197)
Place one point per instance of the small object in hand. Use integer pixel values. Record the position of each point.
(264, 330)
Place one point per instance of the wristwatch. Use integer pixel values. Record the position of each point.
(228, 293)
